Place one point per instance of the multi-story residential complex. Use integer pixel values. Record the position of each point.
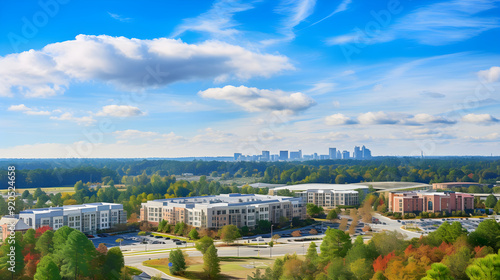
(428, 201)
(330, 198)
(87, 218)
(216, 211)
(325, 195)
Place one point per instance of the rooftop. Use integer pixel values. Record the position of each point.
(225, 199)
(336, 187)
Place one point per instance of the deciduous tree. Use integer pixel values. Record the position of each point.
(211, 262)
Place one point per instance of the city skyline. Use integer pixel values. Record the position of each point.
(289, 155)
(161, 79)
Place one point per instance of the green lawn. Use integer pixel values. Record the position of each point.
(170, 235)
(231, 267)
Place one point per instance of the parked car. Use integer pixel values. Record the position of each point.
(89, 235)
(158, 236)
(178, 243)
(151, 235)
(183, 242)
(167, 238)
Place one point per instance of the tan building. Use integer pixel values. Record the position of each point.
(416, 202)
(9, 224)
(225, 209)
(445, 186)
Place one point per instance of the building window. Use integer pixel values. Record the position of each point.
(429, 205)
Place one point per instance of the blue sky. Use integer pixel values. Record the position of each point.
(206, 78)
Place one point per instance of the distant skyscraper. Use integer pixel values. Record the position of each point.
(332, 152)
(357, 153)
(367, 154)
(345, 155)
(296, 155)
(237, 156)
(265, 156)
(283, 155)
(339, 155)
(315, 156)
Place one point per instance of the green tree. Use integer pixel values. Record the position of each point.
(211, 262)
(487, 268)
(337, 270)
(497, 208)
(361, 269)
(45, 243)
(229, 233)
(178, 267)
(114, 263)
(332, 215)
(313, 210)
(360, 250)
(29, 240)
(193, 234)
(447, 232)
(47, 270)
(458, 261)
(312, 253)
(161, 225)
(6, 262)
(119, 240)
(491, 200)
(388, 241)
(486, 234)
(60, 238)
(179, 228)
(336, 243)
(77, 255)
(203, 244)
(438, 271)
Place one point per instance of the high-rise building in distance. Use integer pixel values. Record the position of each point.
(265, 156)
(332, 152)
(283, 155)
(237, 156)
(345, 155)
(357, 153)
(296, 155)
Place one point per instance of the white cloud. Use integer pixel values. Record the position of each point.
(340, 8)
(121, 111)
(419, 119)
(334, 136)
(20, 107)
(480, 119)
(495, 136)
(490, 75)
(218, 21)
(129, 63)
(119, 17)
(257, 100)
(435, 24)
(295, 12)
(391, 118)
(322, 87)
(339, 119)
(378, 118)
(85, 120)
(28, 111)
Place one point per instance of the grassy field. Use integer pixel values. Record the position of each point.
(133, 270)
(231, 267)
(169, 235)
(55, 189)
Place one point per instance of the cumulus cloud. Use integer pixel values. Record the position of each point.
(339, 119)
(495, 136)
(85, 120)
(480, 119)
(419, 119)
(129, 63)
(258, 100)
(28, 111)
(490, 75)
(121, 111)
(378, 118)
(384, 118)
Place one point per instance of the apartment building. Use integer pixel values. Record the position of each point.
(428, 201)
(225, 209)
(87, 218)
(330, 198)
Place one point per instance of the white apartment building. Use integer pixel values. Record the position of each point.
(225, 209)
(87, 218)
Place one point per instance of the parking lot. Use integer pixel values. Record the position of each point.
(132, 239)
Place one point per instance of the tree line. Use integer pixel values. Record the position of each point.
(480, 170)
